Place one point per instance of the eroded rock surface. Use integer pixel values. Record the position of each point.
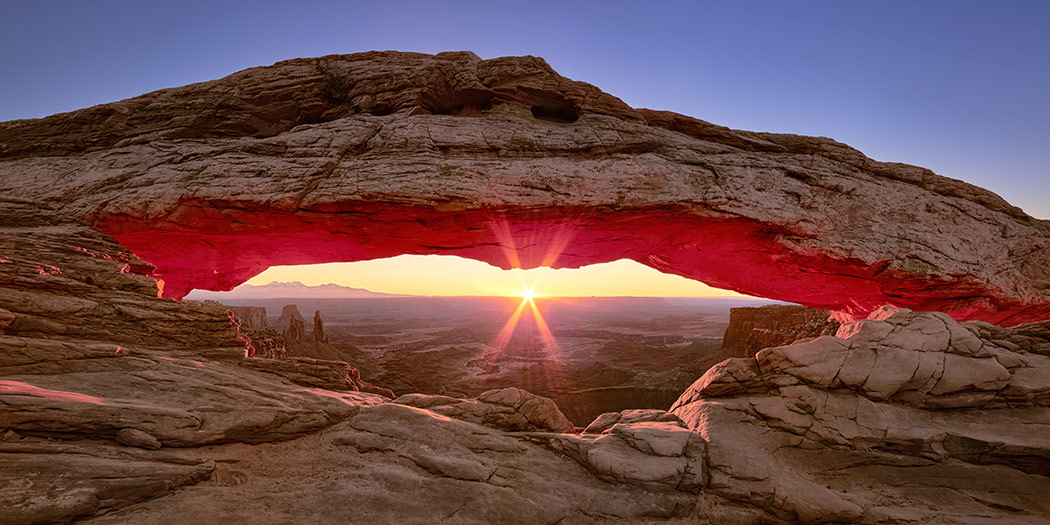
(839, 428)
(754, 328)
(378, 154)
(903, 417)
(259, 338)
(510, 409)
(251, 317)
(118, 405)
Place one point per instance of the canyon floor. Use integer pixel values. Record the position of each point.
(606, 354)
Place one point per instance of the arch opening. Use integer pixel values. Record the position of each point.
(577, 336)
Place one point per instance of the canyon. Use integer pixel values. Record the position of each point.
(603, 355)
(119, 403)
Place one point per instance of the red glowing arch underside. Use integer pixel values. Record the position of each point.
(218, 245)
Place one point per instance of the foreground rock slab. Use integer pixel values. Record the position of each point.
(119, 405)
(510, 409)
(902, 406)
(398, 464)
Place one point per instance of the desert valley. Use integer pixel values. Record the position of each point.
(898, 370)
(606, 354)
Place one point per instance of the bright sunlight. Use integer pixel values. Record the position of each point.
(451, 276)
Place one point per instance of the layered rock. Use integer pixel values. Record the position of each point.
(828, 430)
(251, 317)
(378, 154)
(318, 333)
(113, 400)
(510, 409)
(78, 292)
(268, 343)
(398, 464)
(900, 417)
(289, 312)
(753, 328)
(261, 340)
(295, 334)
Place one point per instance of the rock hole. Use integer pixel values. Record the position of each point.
(564, 115)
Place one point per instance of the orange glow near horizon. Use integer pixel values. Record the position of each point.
(447, 275)
(527, 293)
(528, 299)
(554, 247)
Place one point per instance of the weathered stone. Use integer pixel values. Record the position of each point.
(289, 312)
(754, 328)
(214, 182)
(816, 362)
(902, 417)
(295, 333)
(735, 376)
(646, 454)
(318, 333)
(251, 317)
(510, 409)
(608, 420)
(57, 484)
(137, 438)
(874, 415)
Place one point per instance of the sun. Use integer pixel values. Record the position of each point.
(528, 294)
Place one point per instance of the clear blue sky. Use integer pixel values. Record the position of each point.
(960, 87)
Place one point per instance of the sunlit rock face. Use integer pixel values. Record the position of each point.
(754, 328)
(118, 406)
(379, 154)
(891, 403)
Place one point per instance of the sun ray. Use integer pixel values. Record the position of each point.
(545, 331)
(504, 335)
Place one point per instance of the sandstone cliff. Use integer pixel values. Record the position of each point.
(251, 317)
(106, 412)
(753, 328)
(121, 406)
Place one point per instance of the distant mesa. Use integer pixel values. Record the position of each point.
(288, 313)
(752, 329)
(290, 290)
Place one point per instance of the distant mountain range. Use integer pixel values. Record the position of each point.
(294, 290)
(298, 290)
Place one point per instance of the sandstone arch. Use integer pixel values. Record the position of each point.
(377, 154)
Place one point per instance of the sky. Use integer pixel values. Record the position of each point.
(450, 275)
(956, 86)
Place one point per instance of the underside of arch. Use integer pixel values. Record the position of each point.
(218, 245)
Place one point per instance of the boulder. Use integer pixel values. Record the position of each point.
(510, 409)
(892, 407)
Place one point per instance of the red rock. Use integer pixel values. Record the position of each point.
(295, 332)
(318, 333)
(250, 317)
(289, 312)
(505, 161)
(753, 328)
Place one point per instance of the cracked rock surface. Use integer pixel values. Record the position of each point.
(510, 409)
(901, 406)
(118, 405)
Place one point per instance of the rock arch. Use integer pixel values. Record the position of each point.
(377, 154)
